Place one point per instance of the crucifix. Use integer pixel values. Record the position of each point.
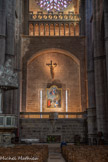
(52, 66)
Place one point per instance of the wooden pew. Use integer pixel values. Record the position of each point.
(73, 153)
(32, 151)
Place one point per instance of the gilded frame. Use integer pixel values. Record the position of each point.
(54, 97)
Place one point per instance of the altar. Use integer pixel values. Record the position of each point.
(53, 138)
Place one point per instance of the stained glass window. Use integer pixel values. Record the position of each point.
(53, 5)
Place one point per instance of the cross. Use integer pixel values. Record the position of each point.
(52, 66)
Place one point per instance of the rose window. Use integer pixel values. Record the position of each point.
(53, 5)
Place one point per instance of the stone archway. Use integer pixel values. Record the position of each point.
(38, 76)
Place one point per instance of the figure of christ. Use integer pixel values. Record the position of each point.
(52, 67)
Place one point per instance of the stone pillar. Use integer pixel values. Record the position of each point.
(91, 120)
(25, 17)
(10, 51)
(66, 102)
(1, 102)
(3, 4)
(10, 29)
(82, 14)
(106, 47)
(100, 71)
(41, 110)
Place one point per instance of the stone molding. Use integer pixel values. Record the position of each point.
(99, 58)
(90, 71)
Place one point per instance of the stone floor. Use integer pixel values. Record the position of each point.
(55, 153)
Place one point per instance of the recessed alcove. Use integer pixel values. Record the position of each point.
(66, 77)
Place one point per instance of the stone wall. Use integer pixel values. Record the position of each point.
(10, 30)
(105, 24)
(69, 54)
(67, 75)
(41, 128)
(90, 72)
(96, 66)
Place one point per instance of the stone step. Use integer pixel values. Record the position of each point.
(55, 154)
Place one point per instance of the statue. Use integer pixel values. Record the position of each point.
(52, 67)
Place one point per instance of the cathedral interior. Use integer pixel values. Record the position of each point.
(53, 71)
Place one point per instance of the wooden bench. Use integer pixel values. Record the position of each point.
(73, 153)
(32, 151)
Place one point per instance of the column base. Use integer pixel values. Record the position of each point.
(92, 139)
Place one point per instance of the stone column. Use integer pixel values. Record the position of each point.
(41, 103)
(10, 29)
(106, 47)
(100, 71)
(66, 102)
(3, 4)
(25, 16)
(1, 101)
(10, 48)
(82, 14)
(91, 120)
